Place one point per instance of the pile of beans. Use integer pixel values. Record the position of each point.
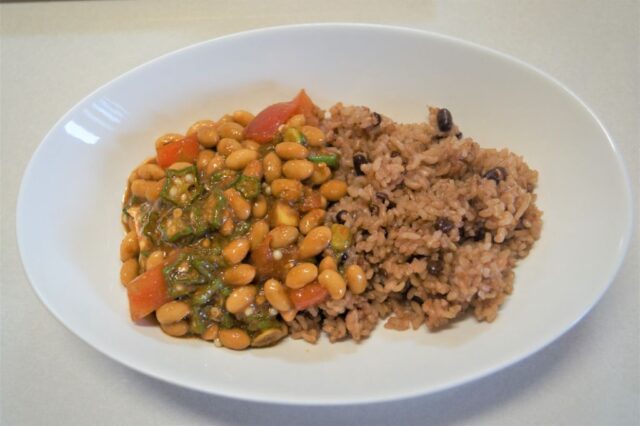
(273, 248)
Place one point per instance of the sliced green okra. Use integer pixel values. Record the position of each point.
(182, 276)
(248, 186)
(181, 187)
(197, 322)
(331, 160)
(174, 228)
(150, 226)
(224, 179)
(207, 214)
(227, 320)
(261, 321)
(241, 229)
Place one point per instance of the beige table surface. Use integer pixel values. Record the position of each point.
(54, 53)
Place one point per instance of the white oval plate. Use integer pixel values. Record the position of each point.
(69, 206)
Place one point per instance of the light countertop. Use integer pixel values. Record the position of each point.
(54, 53)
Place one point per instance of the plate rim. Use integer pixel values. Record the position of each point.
(408, 392)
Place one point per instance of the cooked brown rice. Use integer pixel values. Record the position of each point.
(439, 223)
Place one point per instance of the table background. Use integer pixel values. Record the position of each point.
(54, 53)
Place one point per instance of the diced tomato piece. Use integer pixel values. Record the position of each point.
(265, 125)
(147, 292)
(306, 107)
(186, 150)
(309, 295)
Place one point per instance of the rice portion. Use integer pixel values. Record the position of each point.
(438, 225)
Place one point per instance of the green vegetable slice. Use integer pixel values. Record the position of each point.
(331, 160)
(248, 186)
(294, 135)
(261, 321)
(207, 214)
(340, 238)
(181, 277)
(173, 229)
(227, 320)
(197, 322)
(241, 229)
(224, 179)
(181, 187)
(150, 226)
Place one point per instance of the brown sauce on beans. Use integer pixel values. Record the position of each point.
(211, 222)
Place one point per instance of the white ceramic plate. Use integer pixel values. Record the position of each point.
(69, 205)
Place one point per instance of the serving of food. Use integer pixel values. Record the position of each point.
(299, 221)
(425, 225)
